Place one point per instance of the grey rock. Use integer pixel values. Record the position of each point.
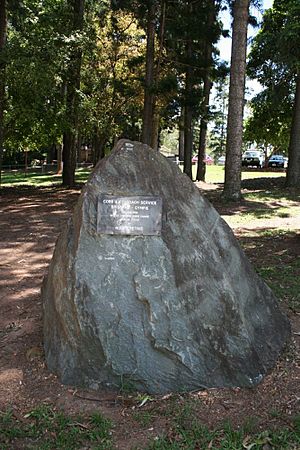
(174, 312)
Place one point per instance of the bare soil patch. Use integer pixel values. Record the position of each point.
(31, 221)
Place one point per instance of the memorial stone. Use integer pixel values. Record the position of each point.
(148, 285)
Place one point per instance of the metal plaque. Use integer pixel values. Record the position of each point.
(137, 215)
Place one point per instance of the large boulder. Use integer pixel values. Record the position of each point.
(178, 308)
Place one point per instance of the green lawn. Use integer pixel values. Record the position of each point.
(19, 178)
(214, 174)
(44, 428)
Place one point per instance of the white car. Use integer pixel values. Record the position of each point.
(253, 158)
(221, 161)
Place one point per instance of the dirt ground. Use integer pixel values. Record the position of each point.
(30, 223)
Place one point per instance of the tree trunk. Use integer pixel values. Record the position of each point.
(181, 136)
(69, 158)
(3, 28)
(233, 165)
(188, 141)
(148, 111)
(293, 171)
(25, 161)
(72, 101)
(59, 149)
(156, 112)
(99, 148)
(188, 114)
(155, 131)
(201, 167)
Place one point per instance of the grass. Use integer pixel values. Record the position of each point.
(214, 174)
(188, 433)
(262, 204)
(18, 178)
(274, 195)
(144, 418)
(265, 213)
(281, 271)
(45, 429)
(284, 280)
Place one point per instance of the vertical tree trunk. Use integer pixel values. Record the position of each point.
(148, 111)
(188, 114)
(155, 130)
(181, 136)
(72, 101)
(59, 150)
(25, 161)
(188, 141)
(201, 166)
(232, 186)
(3, 27)
(99, 147)
(156, 112)
(293, 171)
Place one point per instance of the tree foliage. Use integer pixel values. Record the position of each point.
(275, 62)
(107, 53)
(35, 70)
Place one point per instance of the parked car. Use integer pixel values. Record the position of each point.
(253, 158)
(207, 159)
(221, 161)
(277, 161)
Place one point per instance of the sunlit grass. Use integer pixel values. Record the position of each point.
(216, 174)
(291, 196)
(18, 178)
(262, 213)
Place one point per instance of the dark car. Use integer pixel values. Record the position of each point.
(277, 161)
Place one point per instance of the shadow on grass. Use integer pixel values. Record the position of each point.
(275, 255)
(258, 209)
(263, 198)
(35, 179)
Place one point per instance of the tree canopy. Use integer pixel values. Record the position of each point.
(83, 74)
(275, 62)
(45, 40)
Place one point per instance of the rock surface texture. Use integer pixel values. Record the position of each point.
(178, 311)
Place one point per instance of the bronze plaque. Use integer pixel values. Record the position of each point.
(133, 215)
